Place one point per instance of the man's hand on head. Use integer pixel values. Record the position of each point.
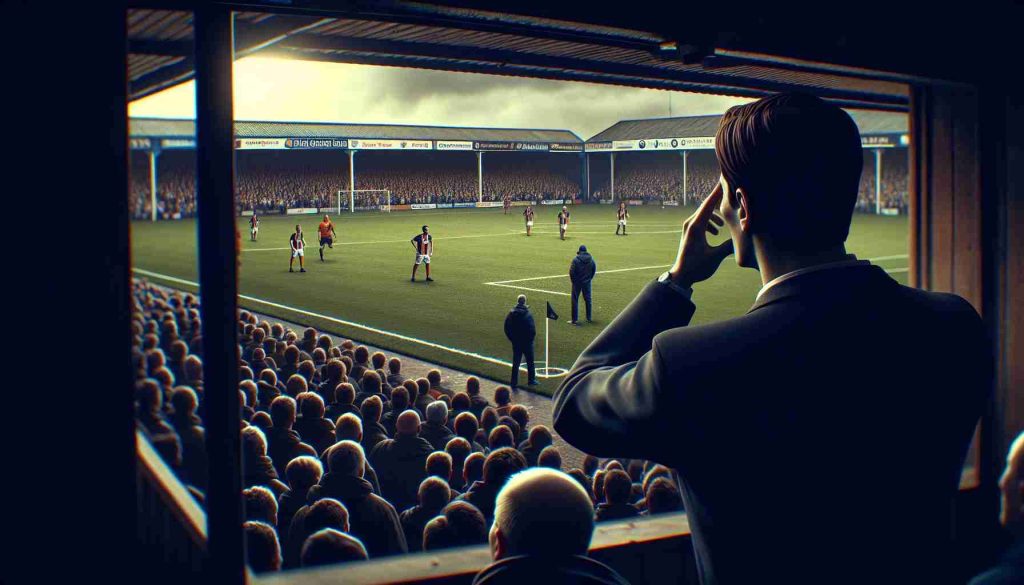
(697, 260)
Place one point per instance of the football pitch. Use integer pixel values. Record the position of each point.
(482, 261)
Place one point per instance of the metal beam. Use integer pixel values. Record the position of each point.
(179, 48)
(218, 289)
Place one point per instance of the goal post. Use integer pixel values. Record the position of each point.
(362, 200)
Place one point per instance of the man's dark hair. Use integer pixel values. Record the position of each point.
(460, 524)
(502, 395)
(617, 486)
(501, 436)
(473, 386)
(433, 493)
(466, 426)
(263, 550)
(399, 399)
(799, 159)
(501, 464)
(663, 496)
(550, 457)
(326, 513)
(460, 401)
(329, 546)
(394, 365)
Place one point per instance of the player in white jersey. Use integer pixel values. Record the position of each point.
(563, 221)
(528, 215)
(424, 245)
(297, 243)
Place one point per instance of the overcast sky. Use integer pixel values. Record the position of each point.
(275, 89)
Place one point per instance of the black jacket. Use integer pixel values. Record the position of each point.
(316, 432)
(782, 380)
(582, 269)
(194, 461)
(437, 435)
(482, 495)
(519, 326)
(401, 466)
(373, 433)
(282, 447)
(414, 520)
(371, 518)
(570, 570)
(605, 512)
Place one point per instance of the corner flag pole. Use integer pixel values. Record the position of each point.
(547, 364)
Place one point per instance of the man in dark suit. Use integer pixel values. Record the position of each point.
(581, 273)
(856, 465)
(521, 330)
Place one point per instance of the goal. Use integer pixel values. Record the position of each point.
(362, 200)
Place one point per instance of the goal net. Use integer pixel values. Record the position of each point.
(362, 200)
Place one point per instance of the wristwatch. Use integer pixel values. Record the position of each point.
(666, 280)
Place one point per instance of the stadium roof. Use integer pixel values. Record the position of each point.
(868, 121)
(159, 127)
(418, 34)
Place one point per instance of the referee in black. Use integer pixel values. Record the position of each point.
(521, 330)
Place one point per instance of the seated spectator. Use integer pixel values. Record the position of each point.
(295, 385)
(312, 427)
(435, 430)
(248, 388)
(500, 437)
(178, 351)
(262, 549)
(436, 388)
(290, 366)
(324, 513)
(597, 490)
(521, 415)
(377, 360)
(395, 377)
(432, 497)
(194, 373)
(399, 404)
(590, 465)
(259, 360)
(370, 386)
(302, 473)
(577, 474)
(401, 462)
(267, 389)
(466, 427)
(488, 420)
(283, 443)
(260, 504)
(502, 400)
(320, 363)
(414, 391)
(473, 469)
(550, 457)
(543, 522)
(344, 396)
(423, 397)
(439, 464)
(194, 462)
(149, 406)
(460, 524)
(460, 404)
(477, 403)
(373, 432)
(352, 427)
(500, 465)
(348, 428)
(361, 362)
(458, 449)
(1010, 568)
(616, 506)
(307, 370)
(372, 519)
(385, 388)
(257, 468)
(538, 439)
(331, 547)
(261, 420)
(662, 496)
(508, 421)
(334, 374)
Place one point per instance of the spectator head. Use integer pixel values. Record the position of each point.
(502, 395)
(326, 513)
(282, 412)
(168, 445)
(319, 356)
(303, 472)
(437, 413)
(307, 369)
(309, 334)
(178, 350)
(336, 371)
(460, 402)
(422, 387)
(291, 355)
(258, 355)
(473, 386)
(444, 398)
(347, 360)
(262, 549)
(459, 449)
(245, 373)
(501, 436)
(613, 464)
(460, 524)
(258, 335)
(378, 359)
(617, 486)
(654, 473)
(155, 359)
(581, 478)
(501, 464)
(372, 407)
(663, 496)
(512, 425)
(370, 382)
(413, 388)
(550, 457)
(149, 396)
(362, 354)
(407, 424)
(344, 393)
(311, 405)
(349, 427)
(1011, 487)
(296, 385)
(348, 344)
(260, 504)
(347, 459)
(768, 173)
(466, 426)
(276, 330)
(541, 512)
(433, 493)
(434, 377)
(488, 419)
(164, 377)
(261, 420)
(394, 366)
(268, 376)
(598, 485)
(540, 437)
(521, 415)
(635, 469)
(184, 401)
(324, 342)
(439, 463)
(473, 468)
(329, 546)
(399, 399)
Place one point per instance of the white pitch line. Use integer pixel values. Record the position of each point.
(344, 322)
(540, 290)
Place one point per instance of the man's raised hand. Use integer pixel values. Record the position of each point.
(697, 260)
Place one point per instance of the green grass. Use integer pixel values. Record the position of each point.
(366, 276)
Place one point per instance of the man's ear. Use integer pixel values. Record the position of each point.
(742, 205)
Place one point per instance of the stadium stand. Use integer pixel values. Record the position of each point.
(169, 410)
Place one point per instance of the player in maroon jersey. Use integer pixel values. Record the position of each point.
(297, 243)
(424, 245)
(528, 215)
(254, 226)
(507, 204)
(623, 215)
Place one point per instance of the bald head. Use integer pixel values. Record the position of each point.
(541, 511)
(408, 423)
(1011, 485)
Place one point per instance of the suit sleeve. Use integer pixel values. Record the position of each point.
(615, 401)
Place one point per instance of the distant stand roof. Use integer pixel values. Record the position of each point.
(868, 121)
(156, 127)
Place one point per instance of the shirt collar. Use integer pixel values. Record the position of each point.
(850, 261)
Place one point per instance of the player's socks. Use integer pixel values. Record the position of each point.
(413, 279)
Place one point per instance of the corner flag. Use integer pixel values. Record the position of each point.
(551, 313)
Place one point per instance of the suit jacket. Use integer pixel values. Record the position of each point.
(848, 399)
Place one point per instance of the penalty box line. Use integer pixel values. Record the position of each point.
(378, 331)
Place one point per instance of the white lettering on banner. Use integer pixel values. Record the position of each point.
(363, 144)
(552, 202)
(259, 143)
(247, 213)
(178, 143)
(423, 206)
(670, 203)
(692, 143)
(139, 143)
(597, 146)
(302, 210)
(491, 204)
(635, 202)
(453, 145)
(624, 145)
(606, 201)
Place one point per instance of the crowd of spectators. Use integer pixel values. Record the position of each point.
(656, 176)
(343, 457)
(176, 190)
(895, 181)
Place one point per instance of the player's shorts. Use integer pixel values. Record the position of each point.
(255, 229)
(529, 224)
(299, 252)
(622, 222)
(563, 226)
(422, 258)
(327, 241)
